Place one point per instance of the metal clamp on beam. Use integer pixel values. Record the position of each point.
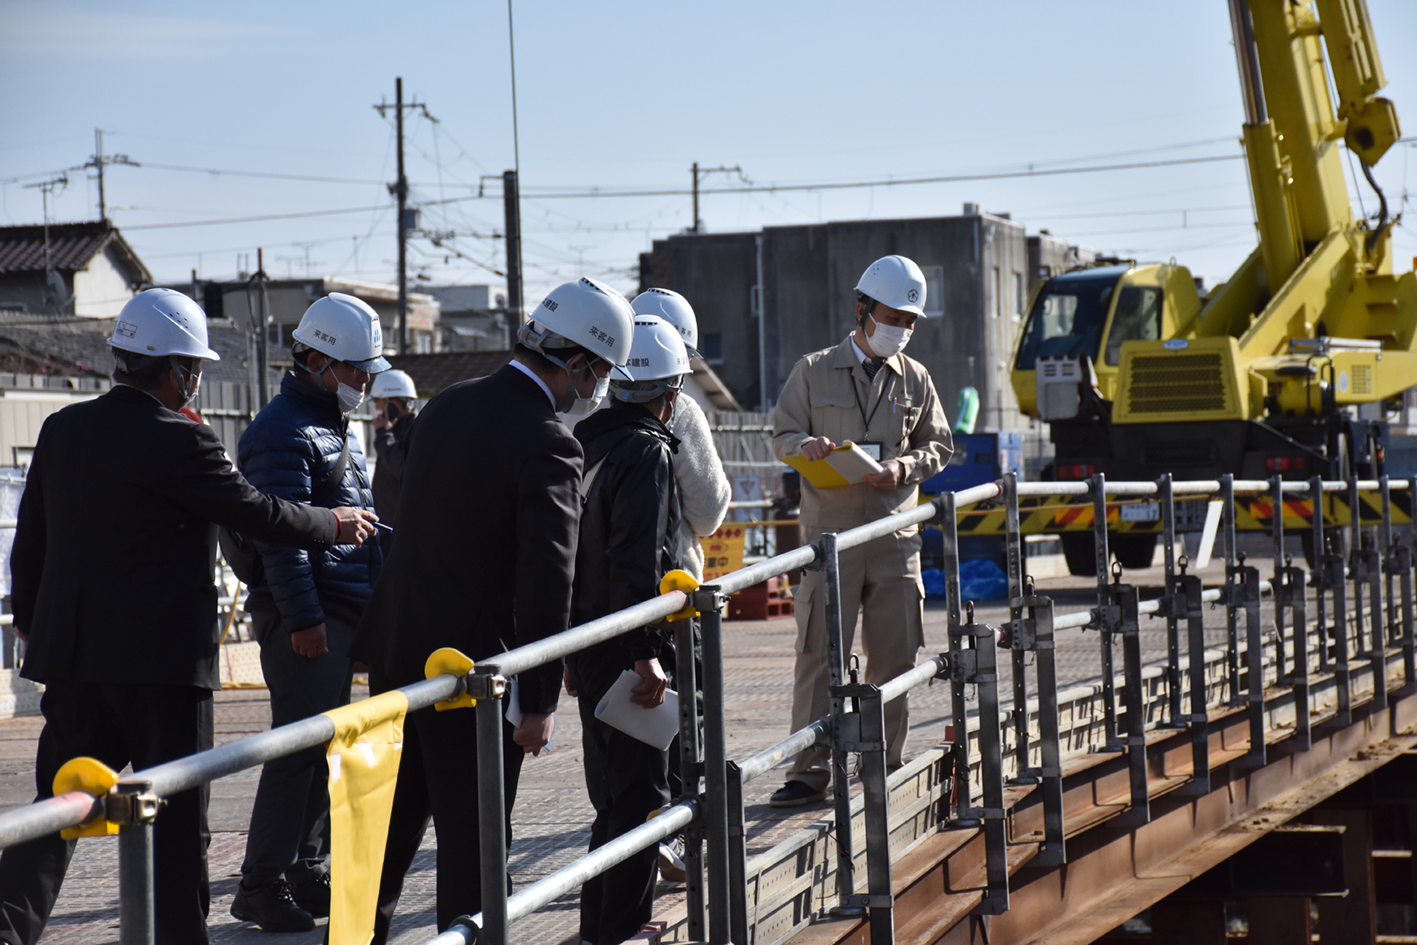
(132, 802)
(489, 686)
(867, 901)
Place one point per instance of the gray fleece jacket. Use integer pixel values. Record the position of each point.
(703, 488)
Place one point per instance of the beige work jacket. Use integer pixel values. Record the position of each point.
(830, 395)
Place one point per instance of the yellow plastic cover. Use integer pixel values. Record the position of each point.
(364, 768)
(92, 777)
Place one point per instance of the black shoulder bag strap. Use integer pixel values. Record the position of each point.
(335, 477)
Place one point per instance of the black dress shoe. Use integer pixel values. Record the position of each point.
(272, 907)
(313, 895)
(796, 794)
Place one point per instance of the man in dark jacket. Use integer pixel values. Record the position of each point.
(306, 608)
(113, 586)
(393, 393)
(486, 547)
(628, 536)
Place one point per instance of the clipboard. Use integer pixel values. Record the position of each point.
(843, 466)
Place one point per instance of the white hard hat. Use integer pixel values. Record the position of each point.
(895, 281)
(658, 358)
(393, 384)
(160, 322)
(587, 313)
(346, 329)
(674, 309)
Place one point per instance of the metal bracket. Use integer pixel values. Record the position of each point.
(709, 600)
(484, 686)
(867, 901)
(132, 803)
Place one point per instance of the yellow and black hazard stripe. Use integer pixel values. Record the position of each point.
(1053, 514)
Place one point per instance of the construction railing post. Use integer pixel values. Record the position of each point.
(841, 787)
(962, 814)
(1366, 570)
(709, 602)
(1390, 613)
(690, 770)
(1171, 602)
(1335, 583)
(1098, 485)
(1399, 565)
(1232, 589)
(1254, 658)
(1276, 531)
(737, 859)
(979, 665)
(1034, 633)
(864, 732)
(1014, 555)
(1191, 590)
(137, 916)
(1289, 594)
(489, 690)
(1123, 602)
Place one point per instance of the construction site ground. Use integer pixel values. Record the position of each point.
(551, 820)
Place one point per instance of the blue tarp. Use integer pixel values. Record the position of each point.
(979, 580)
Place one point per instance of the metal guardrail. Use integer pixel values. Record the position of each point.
(714, 817)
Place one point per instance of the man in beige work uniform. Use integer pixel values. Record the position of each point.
(863, 390)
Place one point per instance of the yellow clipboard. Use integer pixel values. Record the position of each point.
(843, 466)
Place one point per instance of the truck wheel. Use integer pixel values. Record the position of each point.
(1080, 551)
(1133, 550)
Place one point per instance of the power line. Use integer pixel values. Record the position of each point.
(261, 219)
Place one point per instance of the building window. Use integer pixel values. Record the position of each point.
(934, 290)
(998, 293)
(1020, 296)
(711, 347)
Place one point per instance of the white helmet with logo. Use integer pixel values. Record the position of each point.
(346, 329)
(896, 282)
(587, 313)
(658, 362)
(160, 322)
(393, 384)
(674, 309)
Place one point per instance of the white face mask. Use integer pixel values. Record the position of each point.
(889, 340)
(349, 398)
(189, 382)
(587, 405)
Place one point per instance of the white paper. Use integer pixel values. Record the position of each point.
(853, 463)
(656, 727)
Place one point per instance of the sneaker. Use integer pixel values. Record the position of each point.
(272, 907)
(313, 895)
(671, 861)
(796, 794)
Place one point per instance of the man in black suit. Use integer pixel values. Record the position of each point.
(488, 457)
(113, 588)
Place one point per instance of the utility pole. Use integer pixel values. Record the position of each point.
(46, 187)
(698, 226)
(98, 161)
(511, 208)
(407, 219)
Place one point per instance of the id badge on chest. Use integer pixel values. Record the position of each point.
(872, 450)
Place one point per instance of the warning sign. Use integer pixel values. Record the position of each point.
(723, 551)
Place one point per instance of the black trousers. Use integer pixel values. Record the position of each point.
(290, 820)
(144, 725)
(438, 780)
(626, 780)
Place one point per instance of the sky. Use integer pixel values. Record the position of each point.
(227, 108)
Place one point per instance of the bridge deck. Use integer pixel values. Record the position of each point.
(551, 824)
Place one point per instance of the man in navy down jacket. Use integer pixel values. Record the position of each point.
(307, 606)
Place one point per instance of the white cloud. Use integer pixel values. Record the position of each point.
(61, 31)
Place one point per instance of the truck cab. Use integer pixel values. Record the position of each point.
(1089, 313)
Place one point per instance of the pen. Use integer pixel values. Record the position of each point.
(387, 528)
(893, 403)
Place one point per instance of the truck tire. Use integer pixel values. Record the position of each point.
(1133, 550)
(1080, 552)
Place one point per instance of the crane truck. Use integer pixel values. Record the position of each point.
(1288, 368)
